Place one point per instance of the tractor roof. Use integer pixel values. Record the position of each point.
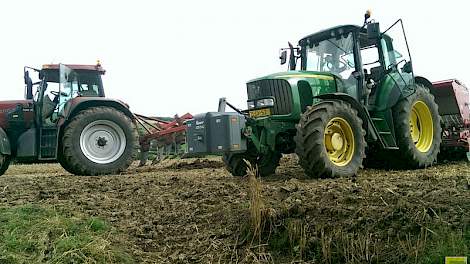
(97, 67)
(330, 33)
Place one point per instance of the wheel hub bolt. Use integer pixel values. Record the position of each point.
(337, 141)
(101, 141)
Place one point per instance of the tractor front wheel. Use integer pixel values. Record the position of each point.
(235, 163)
(4, 163)
(99, 140)
(330, 140)
(266, 164)
(418, 129)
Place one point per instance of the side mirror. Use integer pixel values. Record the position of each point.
(28, 85)
(27, 79)
(283, 57)
(373, 30)
(408, 67)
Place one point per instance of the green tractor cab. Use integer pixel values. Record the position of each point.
(348, 90)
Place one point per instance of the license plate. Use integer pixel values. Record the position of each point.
(260, 113)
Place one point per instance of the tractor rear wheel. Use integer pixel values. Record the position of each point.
(64, 164)
(417, 129)
(265, 163)
(330, 140)
(99, 140)
(4, 163)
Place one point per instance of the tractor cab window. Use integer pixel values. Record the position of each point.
(395, 51)
(45, 90)
(32, 83)
(334, 55)
(68, 86)
(59, 86)
(371, 65)
(89, 84)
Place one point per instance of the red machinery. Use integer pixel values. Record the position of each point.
(168, 135)
(452, 98)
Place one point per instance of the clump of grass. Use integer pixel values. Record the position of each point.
(259, 219)
(326, 244)
(257, 207)
(32, 234)
(357, 248)
(340, 246)
(445, 242)
(297, 232)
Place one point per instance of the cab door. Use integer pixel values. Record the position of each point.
(62, 92)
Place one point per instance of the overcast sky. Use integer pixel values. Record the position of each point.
(168, 57)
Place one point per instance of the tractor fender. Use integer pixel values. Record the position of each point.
(424, 82)
(81, 103)
(362, 113)
(427, 84)
(4, 143)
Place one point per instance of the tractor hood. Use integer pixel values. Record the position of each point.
(7, 108)
(298, 75)
(290, 89)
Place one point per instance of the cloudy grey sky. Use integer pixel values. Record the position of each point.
(168, 57)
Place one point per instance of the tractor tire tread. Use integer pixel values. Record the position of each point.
(309, 140)
(409, 156)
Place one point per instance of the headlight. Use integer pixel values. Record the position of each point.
(260, 103)
(265, 102)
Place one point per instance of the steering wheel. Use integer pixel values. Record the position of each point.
(55, 93)
(331, 66)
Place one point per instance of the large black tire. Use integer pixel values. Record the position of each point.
(235, 163)
(63, 163)
(4, 163)
(265, 163)
(319, 154)
(98, 141)
(420, 150)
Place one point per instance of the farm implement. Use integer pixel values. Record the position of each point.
(453, 100)
(167, 135)
(350, 94)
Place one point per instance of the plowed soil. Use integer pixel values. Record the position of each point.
(193, 211)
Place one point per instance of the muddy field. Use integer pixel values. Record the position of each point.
(193, 211)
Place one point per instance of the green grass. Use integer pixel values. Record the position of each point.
(32, 234)
(447, 243)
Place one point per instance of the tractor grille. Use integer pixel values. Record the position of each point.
(279, 89)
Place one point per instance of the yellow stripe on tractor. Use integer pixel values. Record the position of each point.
(316, 76)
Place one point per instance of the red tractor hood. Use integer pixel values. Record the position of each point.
(8, 107)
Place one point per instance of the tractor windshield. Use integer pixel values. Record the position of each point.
(68, 85)
(333, 55)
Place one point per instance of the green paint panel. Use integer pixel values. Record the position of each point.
(265, 130)
(384, 91)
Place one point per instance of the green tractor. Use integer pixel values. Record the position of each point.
(349, 90)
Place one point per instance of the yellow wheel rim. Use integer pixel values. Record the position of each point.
(339, 141)
(421, 126)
